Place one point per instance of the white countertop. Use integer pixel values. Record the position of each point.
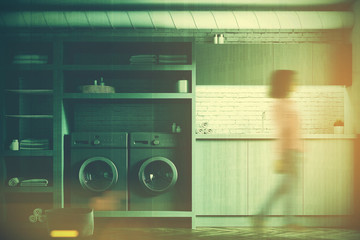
(269, 136)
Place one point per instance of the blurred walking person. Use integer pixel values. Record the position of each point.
(288, 147)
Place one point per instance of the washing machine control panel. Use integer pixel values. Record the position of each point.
(153, 139)
(96, 142)
(155, 142)
(92, 140)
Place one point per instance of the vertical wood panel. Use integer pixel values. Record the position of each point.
(249, 64)
(252, 64)
(221, 177)
(322, 61)
(263, 180)
(328, 177)
(296, 57)
(332, 64)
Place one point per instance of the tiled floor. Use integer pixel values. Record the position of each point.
(227, 233)
(201, 233)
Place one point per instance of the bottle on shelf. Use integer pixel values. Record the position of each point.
(14, 146)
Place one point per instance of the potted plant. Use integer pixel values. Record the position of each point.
(339, 127)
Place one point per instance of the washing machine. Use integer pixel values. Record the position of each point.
(98, 167)
(159, 179)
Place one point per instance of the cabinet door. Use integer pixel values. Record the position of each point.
(296, 57)
(233, 64)
(332, 64)
(220, 177)
(263, 180)
(328, 177)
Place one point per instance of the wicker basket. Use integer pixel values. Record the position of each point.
(96, 89)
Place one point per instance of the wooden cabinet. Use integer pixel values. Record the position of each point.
(245, 64)
(252, 64)
(263, 181)
(328, 177)
(221, 178)
(296, 57)
(235, 177)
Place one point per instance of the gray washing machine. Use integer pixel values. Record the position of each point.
(98, 170)
(157, 172)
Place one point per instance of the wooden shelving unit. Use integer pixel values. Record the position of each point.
(73, 62)
(138, 67)
(29, 116)
(30, 91)
(74, 96)
(29, 189)
(27, 112)
(24, 153)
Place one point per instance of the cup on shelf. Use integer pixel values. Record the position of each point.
(182, 86)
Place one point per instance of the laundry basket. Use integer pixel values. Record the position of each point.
(75, 222)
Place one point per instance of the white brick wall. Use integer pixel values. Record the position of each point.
(247, 109)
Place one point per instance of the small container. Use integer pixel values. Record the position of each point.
(216, 39)
(173, 128)
(182, 86)
(102, 83)
(338, 129)
(14, 146)
(221, 39)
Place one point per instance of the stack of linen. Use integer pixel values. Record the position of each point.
(30, 59)
(172, 59)
(143, 59)
(34, 144)
(34, 183)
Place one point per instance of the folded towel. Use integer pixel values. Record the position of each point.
(172, 57)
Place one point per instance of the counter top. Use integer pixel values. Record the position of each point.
(269, 136)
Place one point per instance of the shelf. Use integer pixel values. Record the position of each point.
(128, 95)
(30, 91)
(137, 67)
(143, 214)
(29, 189)
(28, 153)
(30, 116)
(27, 67)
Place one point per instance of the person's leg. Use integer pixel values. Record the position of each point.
(291, 204)
(280, 189)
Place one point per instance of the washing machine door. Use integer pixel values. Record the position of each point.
(158, 174)
(98, 174)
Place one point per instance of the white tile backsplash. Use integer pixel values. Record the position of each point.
(247, 109)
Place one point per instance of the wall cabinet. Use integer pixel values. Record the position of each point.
(252, 64)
